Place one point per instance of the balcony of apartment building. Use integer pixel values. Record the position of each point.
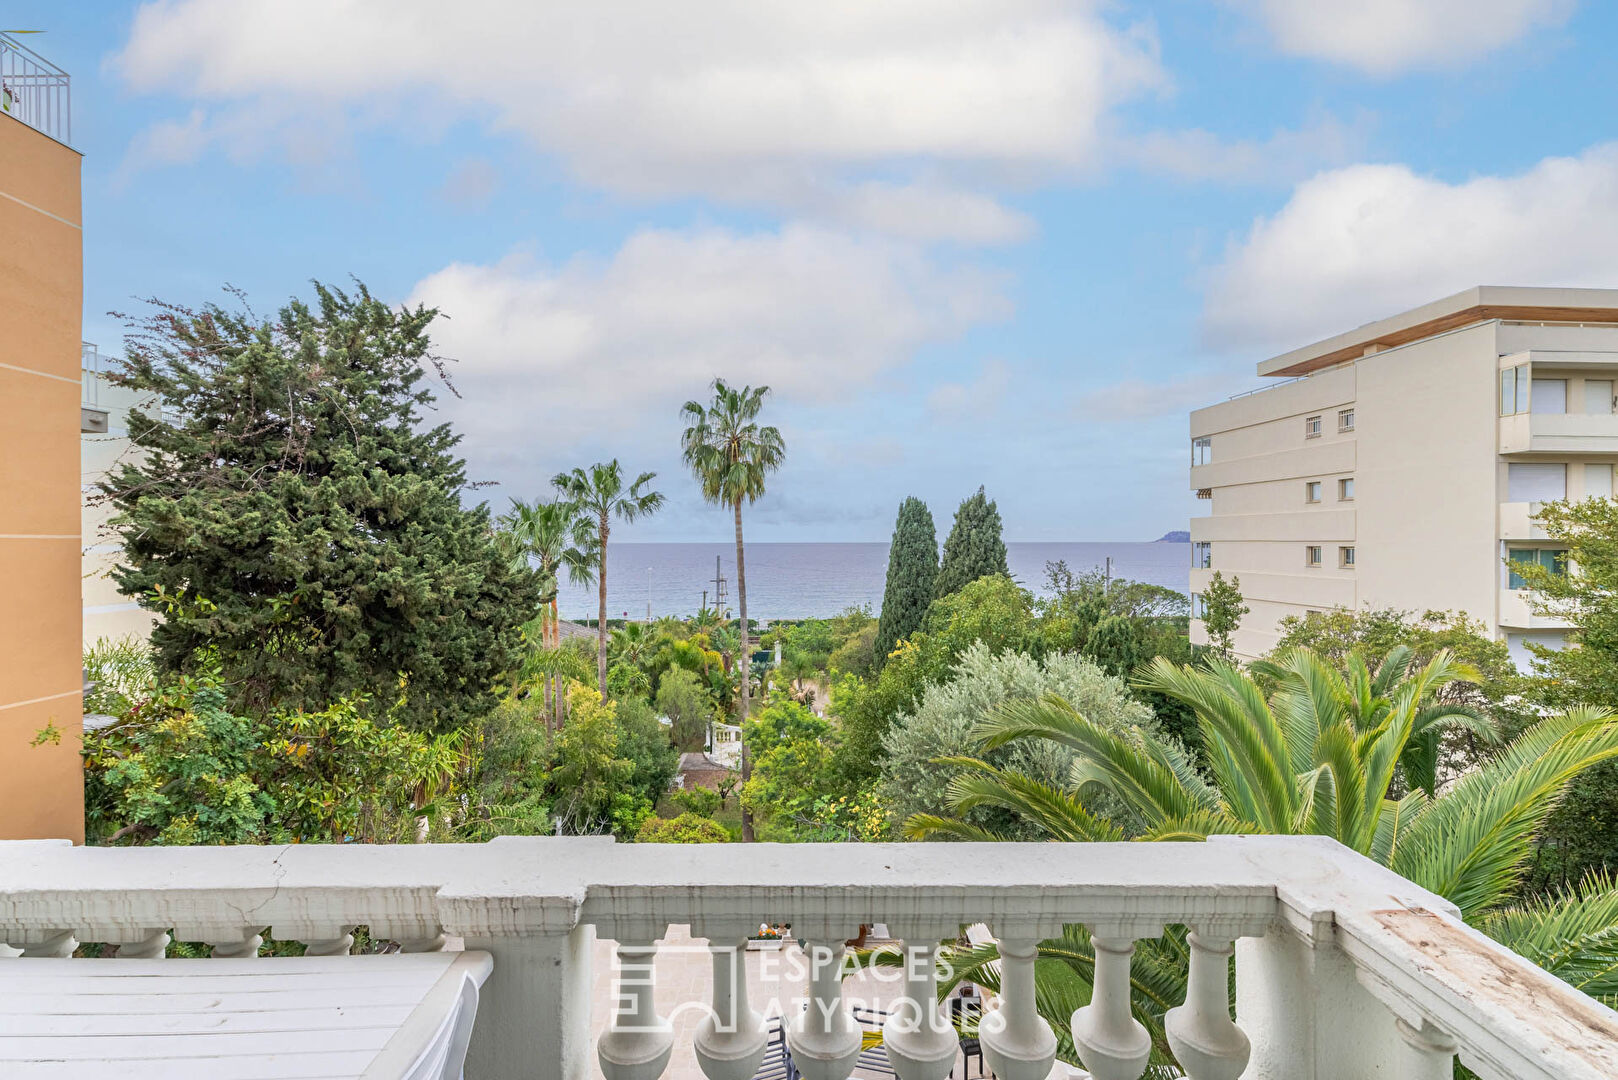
(1559, 403)
(1342, 969)
(92, 414)
(35, 91)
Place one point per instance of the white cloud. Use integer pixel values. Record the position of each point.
(1287, 156)
(169, 142)
(1138, 399)
(1366, 241)
(713, 97)
(472, 184)
(982, 395)
(1385, 37)
(598, 355)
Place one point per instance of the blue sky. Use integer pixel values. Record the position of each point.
(998, 242)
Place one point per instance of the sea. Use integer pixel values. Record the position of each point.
(805, 581)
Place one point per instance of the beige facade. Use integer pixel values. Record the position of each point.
(1401, 464)
(41, 705)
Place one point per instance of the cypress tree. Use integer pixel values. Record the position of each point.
(289, 514)
(912, 568)
(974, 548)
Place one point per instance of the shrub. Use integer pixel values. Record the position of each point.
(941, 725)
(685, 829)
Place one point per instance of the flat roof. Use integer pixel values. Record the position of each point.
(1478, 304)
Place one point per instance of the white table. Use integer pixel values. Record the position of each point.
(399, 1017)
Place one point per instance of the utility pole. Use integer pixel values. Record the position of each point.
(719, 587)
(1106, 579)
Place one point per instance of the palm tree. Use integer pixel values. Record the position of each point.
(1322, 755)
(633, 644)
(550, 534)
(731, 455)
(598, 495)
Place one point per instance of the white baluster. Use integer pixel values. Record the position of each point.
(1429, 1054)
(920, 1041)
(1111, 1042)
(236, 948)
(339, 944)
(1208, 1045)
(52, 943)
(150, 945)
(824, 1041)
(1017, 1042)
(637, 1042)
(731, 1040)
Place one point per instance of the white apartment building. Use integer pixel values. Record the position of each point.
(103, 442)
(1399, 465)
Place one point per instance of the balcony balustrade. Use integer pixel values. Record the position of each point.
(1343, 969)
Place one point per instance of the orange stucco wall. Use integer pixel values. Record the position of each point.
(41, 298)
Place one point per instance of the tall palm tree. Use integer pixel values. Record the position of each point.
(598, 495)
(553, 535)
(1321, 755)
(731, 455)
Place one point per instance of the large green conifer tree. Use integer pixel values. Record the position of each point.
(974, 548)
(287, 511)
(912, 570)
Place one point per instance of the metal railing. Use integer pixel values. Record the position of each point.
(90, 373)
(35, 91)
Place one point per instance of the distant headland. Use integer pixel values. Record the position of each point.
(1178, 536)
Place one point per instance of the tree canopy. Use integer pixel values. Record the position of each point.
(974, 548)
(912, 575)
(288, 511)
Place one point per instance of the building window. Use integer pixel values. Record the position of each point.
(1311, 555)
(1311, 428)
(1598, 397)
(1311, 491)
(1536, 481)
(1197, 607)
(1345, 489)
(1598, 482)
(1201, 555)
(1549, 396)
(1345, 557)
(1552, 559)
(1345, 420)
(1514, 390)
(1201, 451)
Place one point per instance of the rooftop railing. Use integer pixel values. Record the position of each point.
(1343, 969)
(35, 91)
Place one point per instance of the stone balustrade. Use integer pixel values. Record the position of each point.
(1343, 969)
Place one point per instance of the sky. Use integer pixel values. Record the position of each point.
(1007, 243)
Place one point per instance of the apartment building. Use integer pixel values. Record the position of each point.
(1400, 464)
(109, 615)
(41, 265)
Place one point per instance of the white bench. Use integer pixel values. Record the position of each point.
(400, 1017)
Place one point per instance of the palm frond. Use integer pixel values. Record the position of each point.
(1471, 844)
(1148, 787)
(1246, 745)
(933, 826)
(1572, 934)
(1058, 813)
